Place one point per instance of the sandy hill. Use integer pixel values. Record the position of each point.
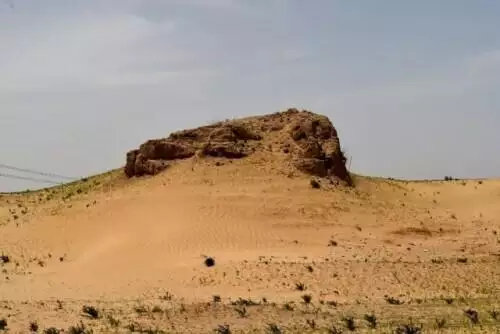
(299, 245)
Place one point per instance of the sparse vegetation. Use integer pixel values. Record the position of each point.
(289, 306)
(335, 330)
(156, 309)
(3, 324)
(371, 320)
(4, 259)
(440, 323)
(113, 321)
(242, 311)
(167, 296)
(273, 329)
(449, 300)
(349, 323)
(141, 309)
(307, 298)
(315, 184)
(245, 302)
(408, 329)
(473, 315)
(33, 327)
(393, 301)
(380, 242)
(223, 329)
(79, 329)
(311, 323)
(91, 312)
(332, 243)
(51, 330)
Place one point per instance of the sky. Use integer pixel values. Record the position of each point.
(409, 85)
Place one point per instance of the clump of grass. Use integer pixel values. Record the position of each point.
(113, 321)
(440, 323)
(242, 311)
(311, 323)
(223, 329)
(494, 314)
(91, 312)
(393, 301)
(51, 330)
(300, 286)
(449, 300)
(156, 309)
(4, 258)
(288, 306)
(334, 330)
(408, 329)
(307, 298)
(462, 260)
(167, 296)
(79, 329)
(371, 319)
(245, 302)
(332, 243)
(3, 324)
(274, 329)
(315, 184)
(141, 309)
(310, 268)
(33, 327)
(136, 328)
(331, 303)
(349, 323)
(473, 315)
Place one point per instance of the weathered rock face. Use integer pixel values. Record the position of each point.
(319, 150)
(309, 140)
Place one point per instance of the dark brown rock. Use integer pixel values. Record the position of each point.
(225, 150)
(308, 140)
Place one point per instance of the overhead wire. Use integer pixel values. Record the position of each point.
(18, 177)
(31, 171)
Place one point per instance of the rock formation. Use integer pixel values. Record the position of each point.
(309, 141)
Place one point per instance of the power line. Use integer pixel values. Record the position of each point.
(11, 176)
(31, 171)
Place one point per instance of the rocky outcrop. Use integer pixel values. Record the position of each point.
(309, 140)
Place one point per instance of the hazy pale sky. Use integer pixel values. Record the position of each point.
(410, 85)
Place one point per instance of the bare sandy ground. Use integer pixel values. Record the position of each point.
(288, 258)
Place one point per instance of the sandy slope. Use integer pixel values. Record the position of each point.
(130, 244)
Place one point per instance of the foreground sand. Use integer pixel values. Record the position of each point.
(406, 252)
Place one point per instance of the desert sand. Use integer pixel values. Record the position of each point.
(296, 249)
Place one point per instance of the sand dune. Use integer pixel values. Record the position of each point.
(134, 248)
